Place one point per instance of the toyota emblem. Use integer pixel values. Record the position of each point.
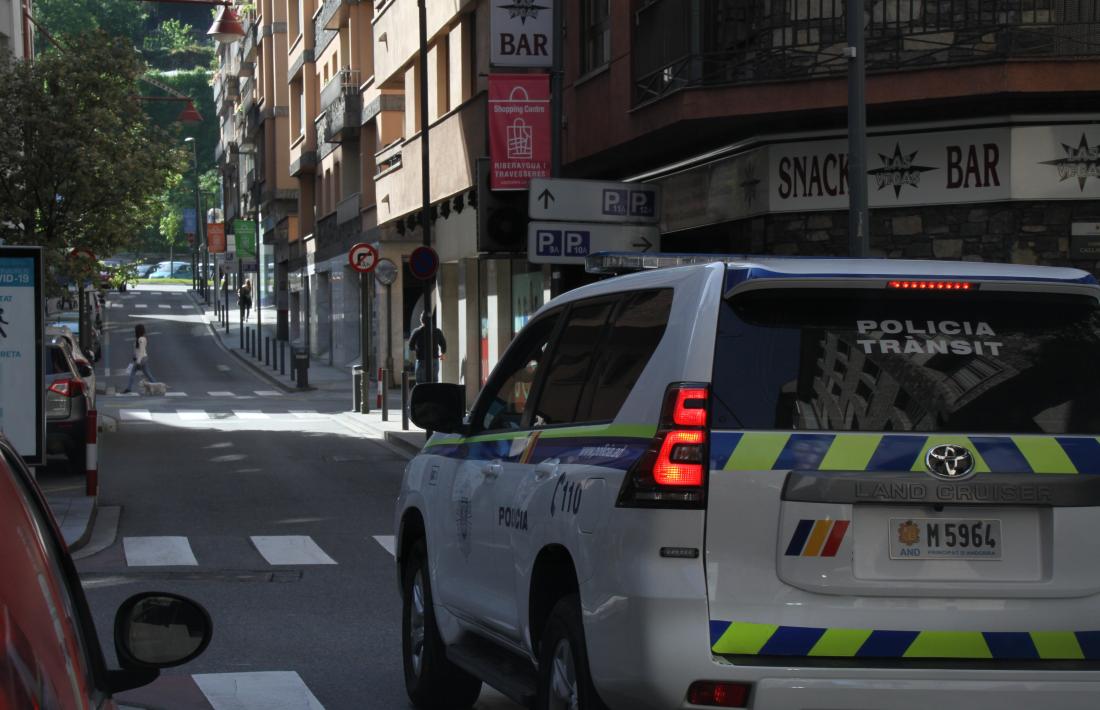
(949, 462)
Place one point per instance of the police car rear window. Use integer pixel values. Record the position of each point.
(871, 360)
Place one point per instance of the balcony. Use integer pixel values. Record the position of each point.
(248, 95)
(248, 42)
(747, 42)
(326, 230)
(348, 210)
(334, 13)
(342, 108)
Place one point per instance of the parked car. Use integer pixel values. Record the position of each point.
(71, 321)
(67, 404)
(767, 483)
(144, 270)
(172, 270)
(83, 362)
(50, 655)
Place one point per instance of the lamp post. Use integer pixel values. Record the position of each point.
(199, 235)
(252, 150)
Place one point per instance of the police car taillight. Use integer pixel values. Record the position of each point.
(719, 694)
(672, 471)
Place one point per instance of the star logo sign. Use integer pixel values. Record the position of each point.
(523, 9)
(1081, 162)
(749, 183)
(898, 170)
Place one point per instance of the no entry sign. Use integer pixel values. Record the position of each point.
(363, 257)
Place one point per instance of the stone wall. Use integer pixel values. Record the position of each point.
(1016, 232)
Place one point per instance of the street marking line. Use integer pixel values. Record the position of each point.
(221, 394)
(305, 413)
(387, 542)
(136, 415)
(192, 415)
(165, 306)
(258, 690)
(290, 550)
(249, 414)
(224, 368)
(175, 394)
(158, 551)
(268, 393)
(141, 305)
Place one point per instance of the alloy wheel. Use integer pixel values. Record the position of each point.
(563, 679)
(416, 624)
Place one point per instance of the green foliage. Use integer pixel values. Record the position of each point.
(171, 36)
(82, 161)
(67, 18)
(175, 45)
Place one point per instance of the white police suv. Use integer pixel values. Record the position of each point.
(768, 483)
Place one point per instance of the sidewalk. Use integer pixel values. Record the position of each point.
(320, 377)
(74, 512)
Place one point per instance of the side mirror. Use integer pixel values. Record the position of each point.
(438, 406)
(84, 369)
(159, 630)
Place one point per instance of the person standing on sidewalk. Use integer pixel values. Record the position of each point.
(244, 297)
(141, 358)
(418, 343)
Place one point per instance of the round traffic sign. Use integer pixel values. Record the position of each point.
(385, 272)
(423, 263)
(363, 257)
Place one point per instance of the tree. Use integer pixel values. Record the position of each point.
(69, 18)
(81, 160)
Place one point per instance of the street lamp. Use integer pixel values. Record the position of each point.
(199, 237)
(226, 28)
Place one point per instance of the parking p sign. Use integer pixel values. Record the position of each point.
(571, 242)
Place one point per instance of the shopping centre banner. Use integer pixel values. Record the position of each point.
(934, 165)
(519, 129)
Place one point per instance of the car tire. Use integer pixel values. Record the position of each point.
(431, 681)
(564, 679)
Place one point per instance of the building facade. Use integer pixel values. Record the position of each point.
(983, 143)
(16, 31)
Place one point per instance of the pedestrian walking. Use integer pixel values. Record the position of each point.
(418, 343)
(244, 297)
(141, 358)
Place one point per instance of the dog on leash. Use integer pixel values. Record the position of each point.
(153, 388)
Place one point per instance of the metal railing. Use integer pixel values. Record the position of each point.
(691, 43)
(343, 83)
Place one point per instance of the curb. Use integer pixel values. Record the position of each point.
(398, 447)
(87, 534)
(395, 441)
(245, 358)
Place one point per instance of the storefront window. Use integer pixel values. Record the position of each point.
(527, 295)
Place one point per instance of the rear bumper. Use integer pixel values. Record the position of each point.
(1009, 691)
(645, 652)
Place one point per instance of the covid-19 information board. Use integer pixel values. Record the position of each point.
(22, 389)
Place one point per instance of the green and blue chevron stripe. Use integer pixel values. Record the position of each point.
(748, 639)
(767, 451)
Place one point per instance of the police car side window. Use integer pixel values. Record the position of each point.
(571, 363)
(636, 329)
(504, 400)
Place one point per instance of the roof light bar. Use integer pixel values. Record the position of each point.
(932, 285)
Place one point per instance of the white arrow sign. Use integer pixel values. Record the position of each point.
(571, 242)
(594, 201)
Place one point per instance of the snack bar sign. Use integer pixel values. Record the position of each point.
(522, 33)
(519, 129)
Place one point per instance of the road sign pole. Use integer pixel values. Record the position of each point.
(555, 89)
(858, 216)
(425, 174)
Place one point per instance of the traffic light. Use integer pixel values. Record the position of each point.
(501, 216)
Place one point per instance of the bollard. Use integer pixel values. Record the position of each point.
(383, 381)
(356, 387)
(252, 342)
(404, 400)
(364, 389)
(91, 457)
(301, 368)
(227, 318)
(242, 333)
(282, 357)
(267, 349)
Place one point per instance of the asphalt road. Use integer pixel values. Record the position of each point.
(260, 505)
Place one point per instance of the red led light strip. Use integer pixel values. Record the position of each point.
(932, 285)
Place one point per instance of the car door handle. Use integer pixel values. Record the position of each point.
(547, 469)
(493, 469)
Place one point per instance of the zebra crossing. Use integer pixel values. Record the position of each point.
(275, 550)
(221, 394)
(176, 416)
